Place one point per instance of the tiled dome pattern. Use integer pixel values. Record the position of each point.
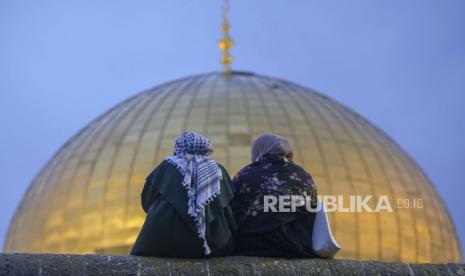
(87, 198)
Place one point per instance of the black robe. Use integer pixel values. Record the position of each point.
(169, 231)
(273, 234)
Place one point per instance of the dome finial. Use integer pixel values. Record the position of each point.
(226, 42)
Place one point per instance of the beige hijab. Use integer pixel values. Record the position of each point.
(270, 144)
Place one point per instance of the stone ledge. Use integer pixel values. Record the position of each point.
(69, 264)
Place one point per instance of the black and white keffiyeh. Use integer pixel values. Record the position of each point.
(201, 175)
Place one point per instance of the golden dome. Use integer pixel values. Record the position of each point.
(87, 198)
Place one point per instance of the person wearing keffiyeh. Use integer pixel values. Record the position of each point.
(187, 201)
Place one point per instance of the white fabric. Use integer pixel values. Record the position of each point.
(323, 243)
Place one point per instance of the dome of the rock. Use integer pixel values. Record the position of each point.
(87, 198)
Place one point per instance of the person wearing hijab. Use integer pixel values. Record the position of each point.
(187, 201)
(272, 173)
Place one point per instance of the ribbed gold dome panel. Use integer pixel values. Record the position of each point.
(87, 198)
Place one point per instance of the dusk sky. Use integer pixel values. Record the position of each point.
(401, 64)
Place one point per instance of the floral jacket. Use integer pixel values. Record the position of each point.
(270, 176)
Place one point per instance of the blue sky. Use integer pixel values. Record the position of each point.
(399, 63)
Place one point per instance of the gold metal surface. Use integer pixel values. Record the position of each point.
(87, 198)
(226, 43)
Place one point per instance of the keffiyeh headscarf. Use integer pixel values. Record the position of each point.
(201, 176)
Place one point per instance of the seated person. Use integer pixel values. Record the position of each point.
(187, 201)
(272, 173)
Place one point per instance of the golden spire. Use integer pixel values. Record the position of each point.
(226, 42)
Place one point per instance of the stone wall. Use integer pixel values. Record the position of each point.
(57, 264)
